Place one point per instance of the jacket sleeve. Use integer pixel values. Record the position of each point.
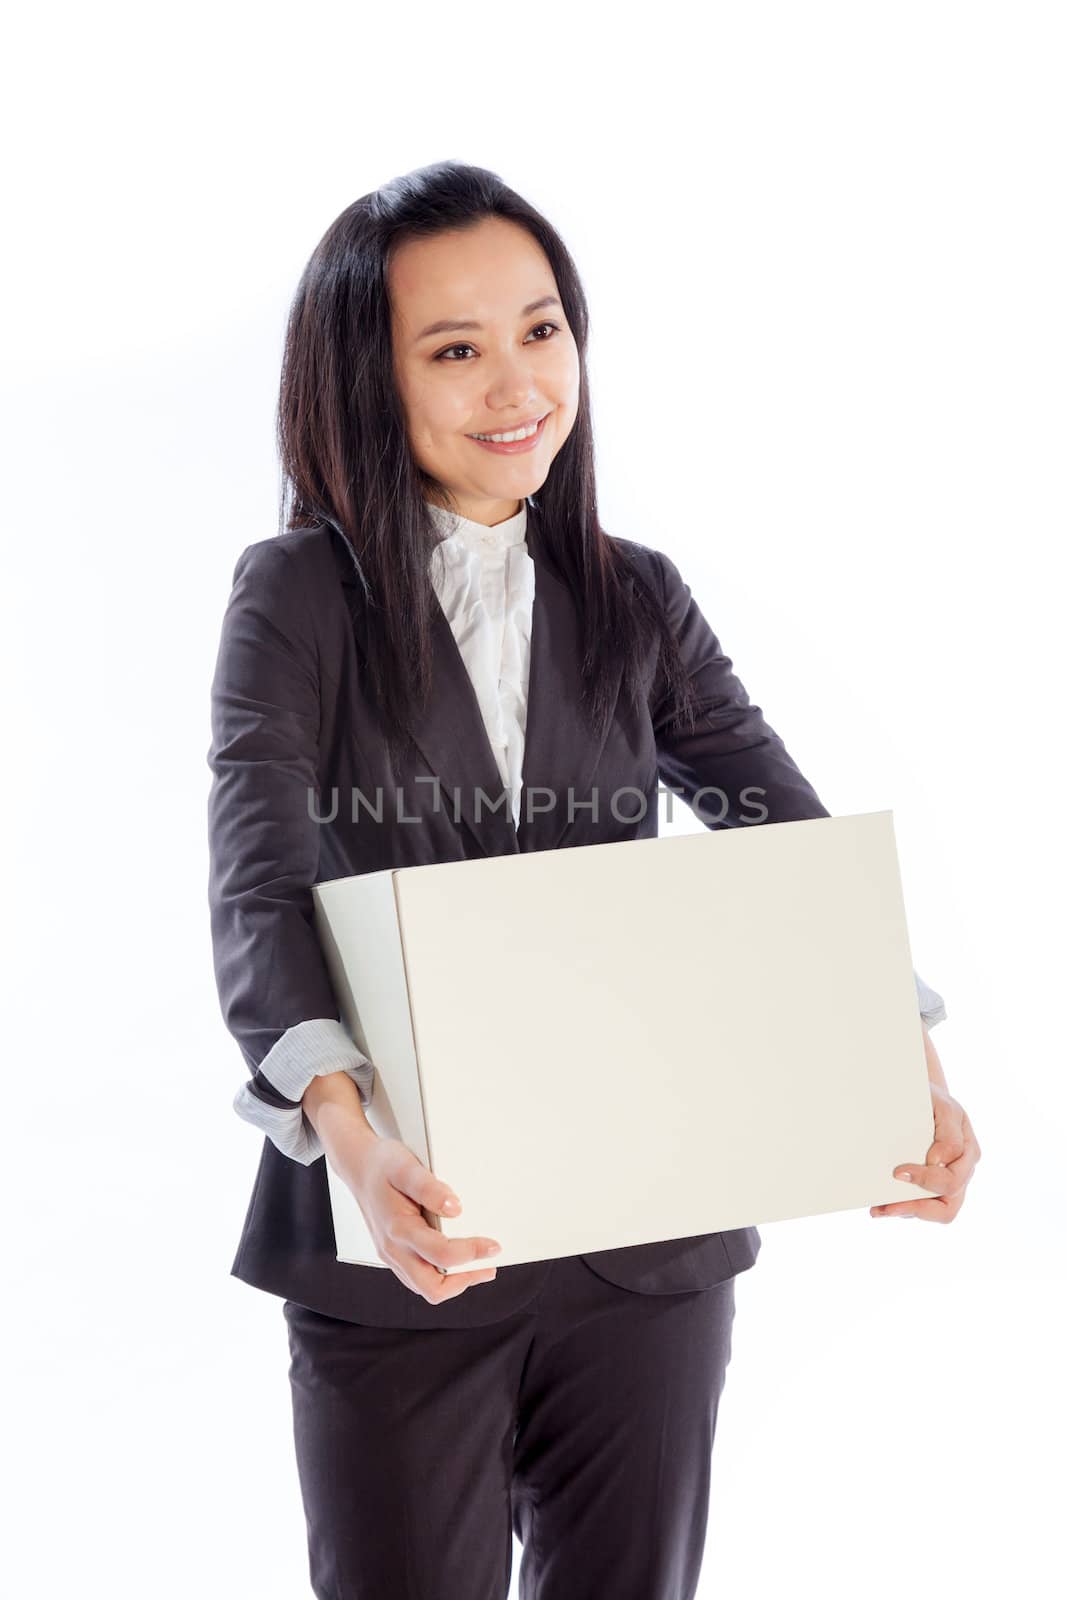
(732, 768)
(274, 987)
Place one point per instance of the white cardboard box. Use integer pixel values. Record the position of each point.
(650, 1039)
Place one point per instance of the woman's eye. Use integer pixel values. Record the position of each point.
(442, 354)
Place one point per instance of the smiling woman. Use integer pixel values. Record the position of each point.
(510, 392)
(381, 405)
(441, 513)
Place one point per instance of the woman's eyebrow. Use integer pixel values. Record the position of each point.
(460, 327)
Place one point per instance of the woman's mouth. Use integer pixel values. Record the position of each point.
(508, 446)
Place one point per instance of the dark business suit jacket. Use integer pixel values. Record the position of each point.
(291, 714)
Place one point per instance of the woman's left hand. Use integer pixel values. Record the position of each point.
(950, 1160)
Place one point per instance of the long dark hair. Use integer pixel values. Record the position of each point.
(346, 459)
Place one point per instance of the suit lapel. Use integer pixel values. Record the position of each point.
(451, 736)
(560, 756)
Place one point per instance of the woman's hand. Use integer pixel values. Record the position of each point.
(950, 1160)
(390, 1184)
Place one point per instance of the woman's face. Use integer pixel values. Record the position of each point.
(514, 361)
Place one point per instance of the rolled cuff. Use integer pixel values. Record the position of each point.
(931, 1006)
(307, 1050)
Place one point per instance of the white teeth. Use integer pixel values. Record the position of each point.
(508, 438)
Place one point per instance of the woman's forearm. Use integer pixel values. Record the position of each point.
(332, 1102)
(934, 1070)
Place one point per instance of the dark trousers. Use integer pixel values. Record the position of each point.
(582, 1423)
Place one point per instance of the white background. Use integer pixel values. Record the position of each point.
(824, 250)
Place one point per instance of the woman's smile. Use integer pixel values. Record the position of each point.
(512, 447)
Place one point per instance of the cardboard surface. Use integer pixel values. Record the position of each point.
(615, 1044)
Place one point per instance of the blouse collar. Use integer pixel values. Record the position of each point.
(480, 536)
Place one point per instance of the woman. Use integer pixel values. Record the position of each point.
(444, 617)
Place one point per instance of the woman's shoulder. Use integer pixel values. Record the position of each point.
(648, 560)
(306, 548)
(301, 555)
(286, 585)
(663, 569)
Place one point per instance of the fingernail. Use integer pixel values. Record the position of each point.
(450, 1204)
(904, 1176)
(493, 1250)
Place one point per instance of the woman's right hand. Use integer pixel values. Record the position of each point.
(390, 1184)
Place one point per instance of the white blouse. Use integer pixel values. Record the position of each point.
(484, 579)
